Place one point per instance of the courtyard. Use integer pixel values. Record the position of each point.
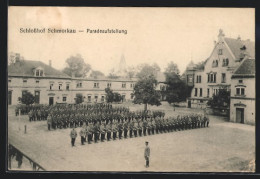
(222, 147)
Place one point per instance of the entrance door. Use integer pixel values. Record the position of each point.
(123, 98)
(37, 97)
(9, 97)
(51, 100)
(240, 115)
(189, 104)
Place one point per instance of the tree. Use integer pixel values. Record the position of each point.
(96, 73)
(117, 97)
(144, 90)
(145, 70)
(220, 100)
(109, 96)
(176, 90)
(27, 98)
(79, 98)
(76, 66)
(172, 68)
(113, 74)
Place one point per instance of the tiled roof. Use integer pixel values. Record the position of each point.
(235, 45)
(247, 67)
(25, 68)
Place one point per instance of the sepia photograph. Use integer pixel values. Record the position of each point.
(131, 89)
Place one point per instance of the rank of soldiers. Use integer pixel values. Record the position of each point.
(96, 130)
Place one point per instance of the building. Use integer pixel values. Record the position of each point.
(226, 56)
(242, 98)
(50, 86)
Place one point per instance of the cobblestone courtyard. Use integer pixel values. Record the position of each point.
(223, 147)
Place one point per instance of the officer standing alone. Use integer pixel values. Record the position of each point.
(73, 135)
(147, 154)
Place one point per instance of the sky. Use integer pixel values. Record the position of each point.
(154, 35)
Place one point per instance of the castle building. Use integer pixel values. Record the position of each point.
(50, 86)
(242, 98)
(226, 56)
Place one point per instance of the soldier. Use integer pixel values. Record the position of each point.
(153, 126)
(140, 127)
(49, 122)
(114, 129)
(96, 131)
(131, 127)
(207, 120)
(149, 125)
(147, 154)
(120, 128)
(89, 133)
(54, 122)
(109, 130)
(103, 131)
(144, 127)
(30, 115)
(125, 126)
(135, 127)
(82, 134)
(73, 135)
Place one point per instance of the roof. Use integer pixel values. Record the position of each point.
(25, 68)
(245, 69)
(236, 44)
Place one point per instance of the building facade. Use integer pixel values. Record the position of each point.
(242, 98)
(227, 55)
(50, 86)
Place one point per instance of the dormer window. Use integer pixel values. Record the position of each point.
(39, 72)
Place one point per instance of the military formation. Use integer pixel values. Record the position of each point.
(100, 122)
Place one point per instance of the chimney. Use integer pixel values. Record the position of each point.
(50, 63)
(221, 35)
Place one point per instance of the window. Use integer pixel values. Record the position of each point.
(51, 86)
(220, 51)
(60, 86)
(196, 91)
(190, 79)
(208, 92)
(200, 91)
(64, 98)
(39, 72)
(123, 85)
(24, 81)
(198, 79)
(96, 85)
(79, 85)
(132, 96)
(23, 93)
(225, 62)
(102, 98)
(242, 91)
(238, 91)
(223, 78)
(96, 98)
(37, 81)
(132, 85)
(212, 77)
(89, 98)
(215, 63)
(67, 86)
(240, 81)
(9, 81)
(109, 85)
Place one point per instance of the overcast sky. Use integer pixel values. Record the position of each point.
(157, 35)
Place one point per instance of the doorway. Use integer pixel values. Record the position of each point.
(240, 115)
(9, 97)
(51, 100)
